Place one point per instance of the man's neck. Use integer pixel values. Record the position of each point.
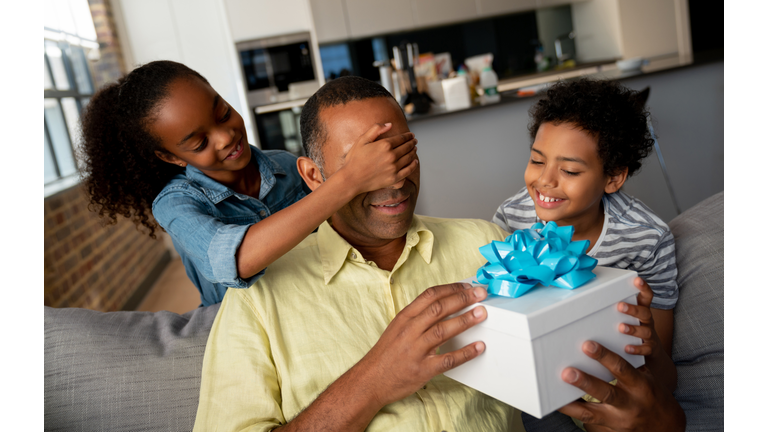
(385, 255)
(384, 252)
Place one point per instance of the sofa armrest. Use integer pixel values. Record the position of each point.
(697, 344)
(123, 371)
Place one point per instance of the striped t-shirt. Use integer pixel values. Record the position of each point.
(633, 238)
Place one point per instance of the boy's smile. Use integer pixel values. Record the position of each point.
(565, 179)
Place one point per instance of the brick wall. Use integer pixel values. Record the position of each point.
(92, 266)
(110, 65)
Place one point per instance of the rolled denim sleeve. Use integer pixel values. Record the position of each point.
(207, 241)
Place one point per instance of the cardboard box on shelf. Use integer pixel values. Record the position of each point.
(530, 340)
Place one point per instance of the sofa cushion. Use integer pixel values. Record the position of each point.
(123, 371)
(697, 344)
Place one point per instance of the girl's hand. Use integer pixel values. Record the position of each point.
(651, 346)
(373, 165)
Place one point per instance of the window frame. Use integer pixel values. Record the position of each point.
(65, 43)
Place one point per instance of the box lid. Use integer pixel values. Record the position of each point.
(544, 309)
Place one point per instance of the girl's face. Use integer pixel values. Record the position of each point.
(196, 126)
(565, 176)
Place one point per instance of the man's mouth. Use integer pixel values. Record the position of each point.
(394, 206)
(237, 151)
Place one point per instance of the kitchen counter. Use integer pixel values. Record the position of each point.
(537, 82)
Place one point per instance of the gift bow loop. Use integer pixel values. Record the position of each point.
(541, 254)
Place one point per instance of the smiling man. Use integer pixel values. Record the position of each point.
(342, 333)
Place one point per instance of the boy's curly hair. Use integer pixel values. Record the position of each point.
(613, 114)
(120, 171)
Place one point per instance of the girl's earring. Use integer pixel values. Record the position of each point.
(181, 165)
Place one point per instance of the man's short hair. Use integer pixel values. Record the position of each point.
(336, 92)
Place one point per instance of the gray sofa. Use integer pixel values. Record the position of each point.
(140, 371)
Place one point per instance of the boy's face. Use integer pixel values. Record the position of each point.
(565, 176)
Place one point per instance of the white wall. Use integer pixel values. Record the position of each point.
(253, 19)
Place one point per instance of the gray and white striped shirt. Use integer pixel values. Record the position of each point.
(633, 238)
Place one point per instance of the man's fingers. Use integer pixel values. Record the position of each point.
(433, 294)
(618, 367)
(444, 330)
(440, 363)
(444, 306)
(646, 293)
(643, 313)
(589, 413)
(643, 332)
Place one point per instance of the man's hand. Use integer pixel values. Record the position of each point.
(638, 401)
(405, 357)
(400, 363)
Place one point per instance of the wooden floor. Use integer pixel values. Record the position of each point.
(172, 292)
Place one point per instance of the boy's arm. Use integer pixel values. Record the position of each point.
(372, 165)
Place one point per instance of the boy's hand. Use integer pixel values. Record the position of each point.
(651, 346)
(372, 165)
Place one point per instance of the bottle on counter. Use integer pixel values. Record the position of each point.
(489, 82)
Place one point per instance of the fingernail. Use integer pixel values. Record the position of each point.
(387, 124)
(480, 347)
(623, 307)
(624, 328)
(631, 349)
(479, 293)
(571, 376)
(477, 312)
(591, 347)
(466, 285)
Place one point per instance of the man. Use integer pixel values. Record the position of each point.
(341, 333)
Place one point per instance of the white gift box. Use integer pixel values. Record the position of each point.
(530, 340)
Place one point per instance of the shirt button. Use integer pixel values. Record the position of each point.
(391, 280)
(354, 255)
(262, 213)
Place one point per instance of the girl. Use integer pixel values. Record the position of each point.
(161, 142)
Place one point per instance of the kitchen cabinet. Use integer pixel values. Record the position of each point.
(374, 17)
(607, 29)
(254, 19)
(439, 12)
(330, 19)
(486, 8)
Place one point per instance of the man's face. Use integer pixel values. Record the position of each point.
(384, 214)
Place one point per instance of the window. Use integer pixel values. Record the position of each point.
(67, 89)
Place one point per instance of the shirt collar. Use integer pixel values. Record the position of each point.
(217, 192)
(334, 250)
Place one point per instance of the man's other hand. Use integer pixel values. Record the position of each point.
(405, 357)
(638, 401)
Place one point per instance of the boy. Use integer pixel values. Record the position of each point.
(588, 137)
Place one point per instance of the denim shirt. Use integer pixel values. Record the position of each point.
(207, 221)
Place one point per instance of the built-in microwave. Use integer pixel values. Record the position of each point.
(278, 69)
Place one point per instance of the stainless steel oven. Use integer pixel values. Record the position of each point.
(278, 69)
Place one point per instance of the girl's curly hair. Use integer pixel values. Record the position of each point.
(613, 114)
(120, 171)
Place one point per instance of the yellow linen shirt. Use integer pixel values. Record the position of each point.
(275, 346)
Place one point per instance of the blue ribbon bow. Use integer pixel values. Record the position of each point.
(540, 254)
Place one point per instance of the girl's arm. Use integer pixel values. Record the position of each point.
(370, 166)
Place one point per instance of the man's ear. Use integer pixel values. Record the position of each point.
(169, 157)
(615, 182)
(310, 172)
